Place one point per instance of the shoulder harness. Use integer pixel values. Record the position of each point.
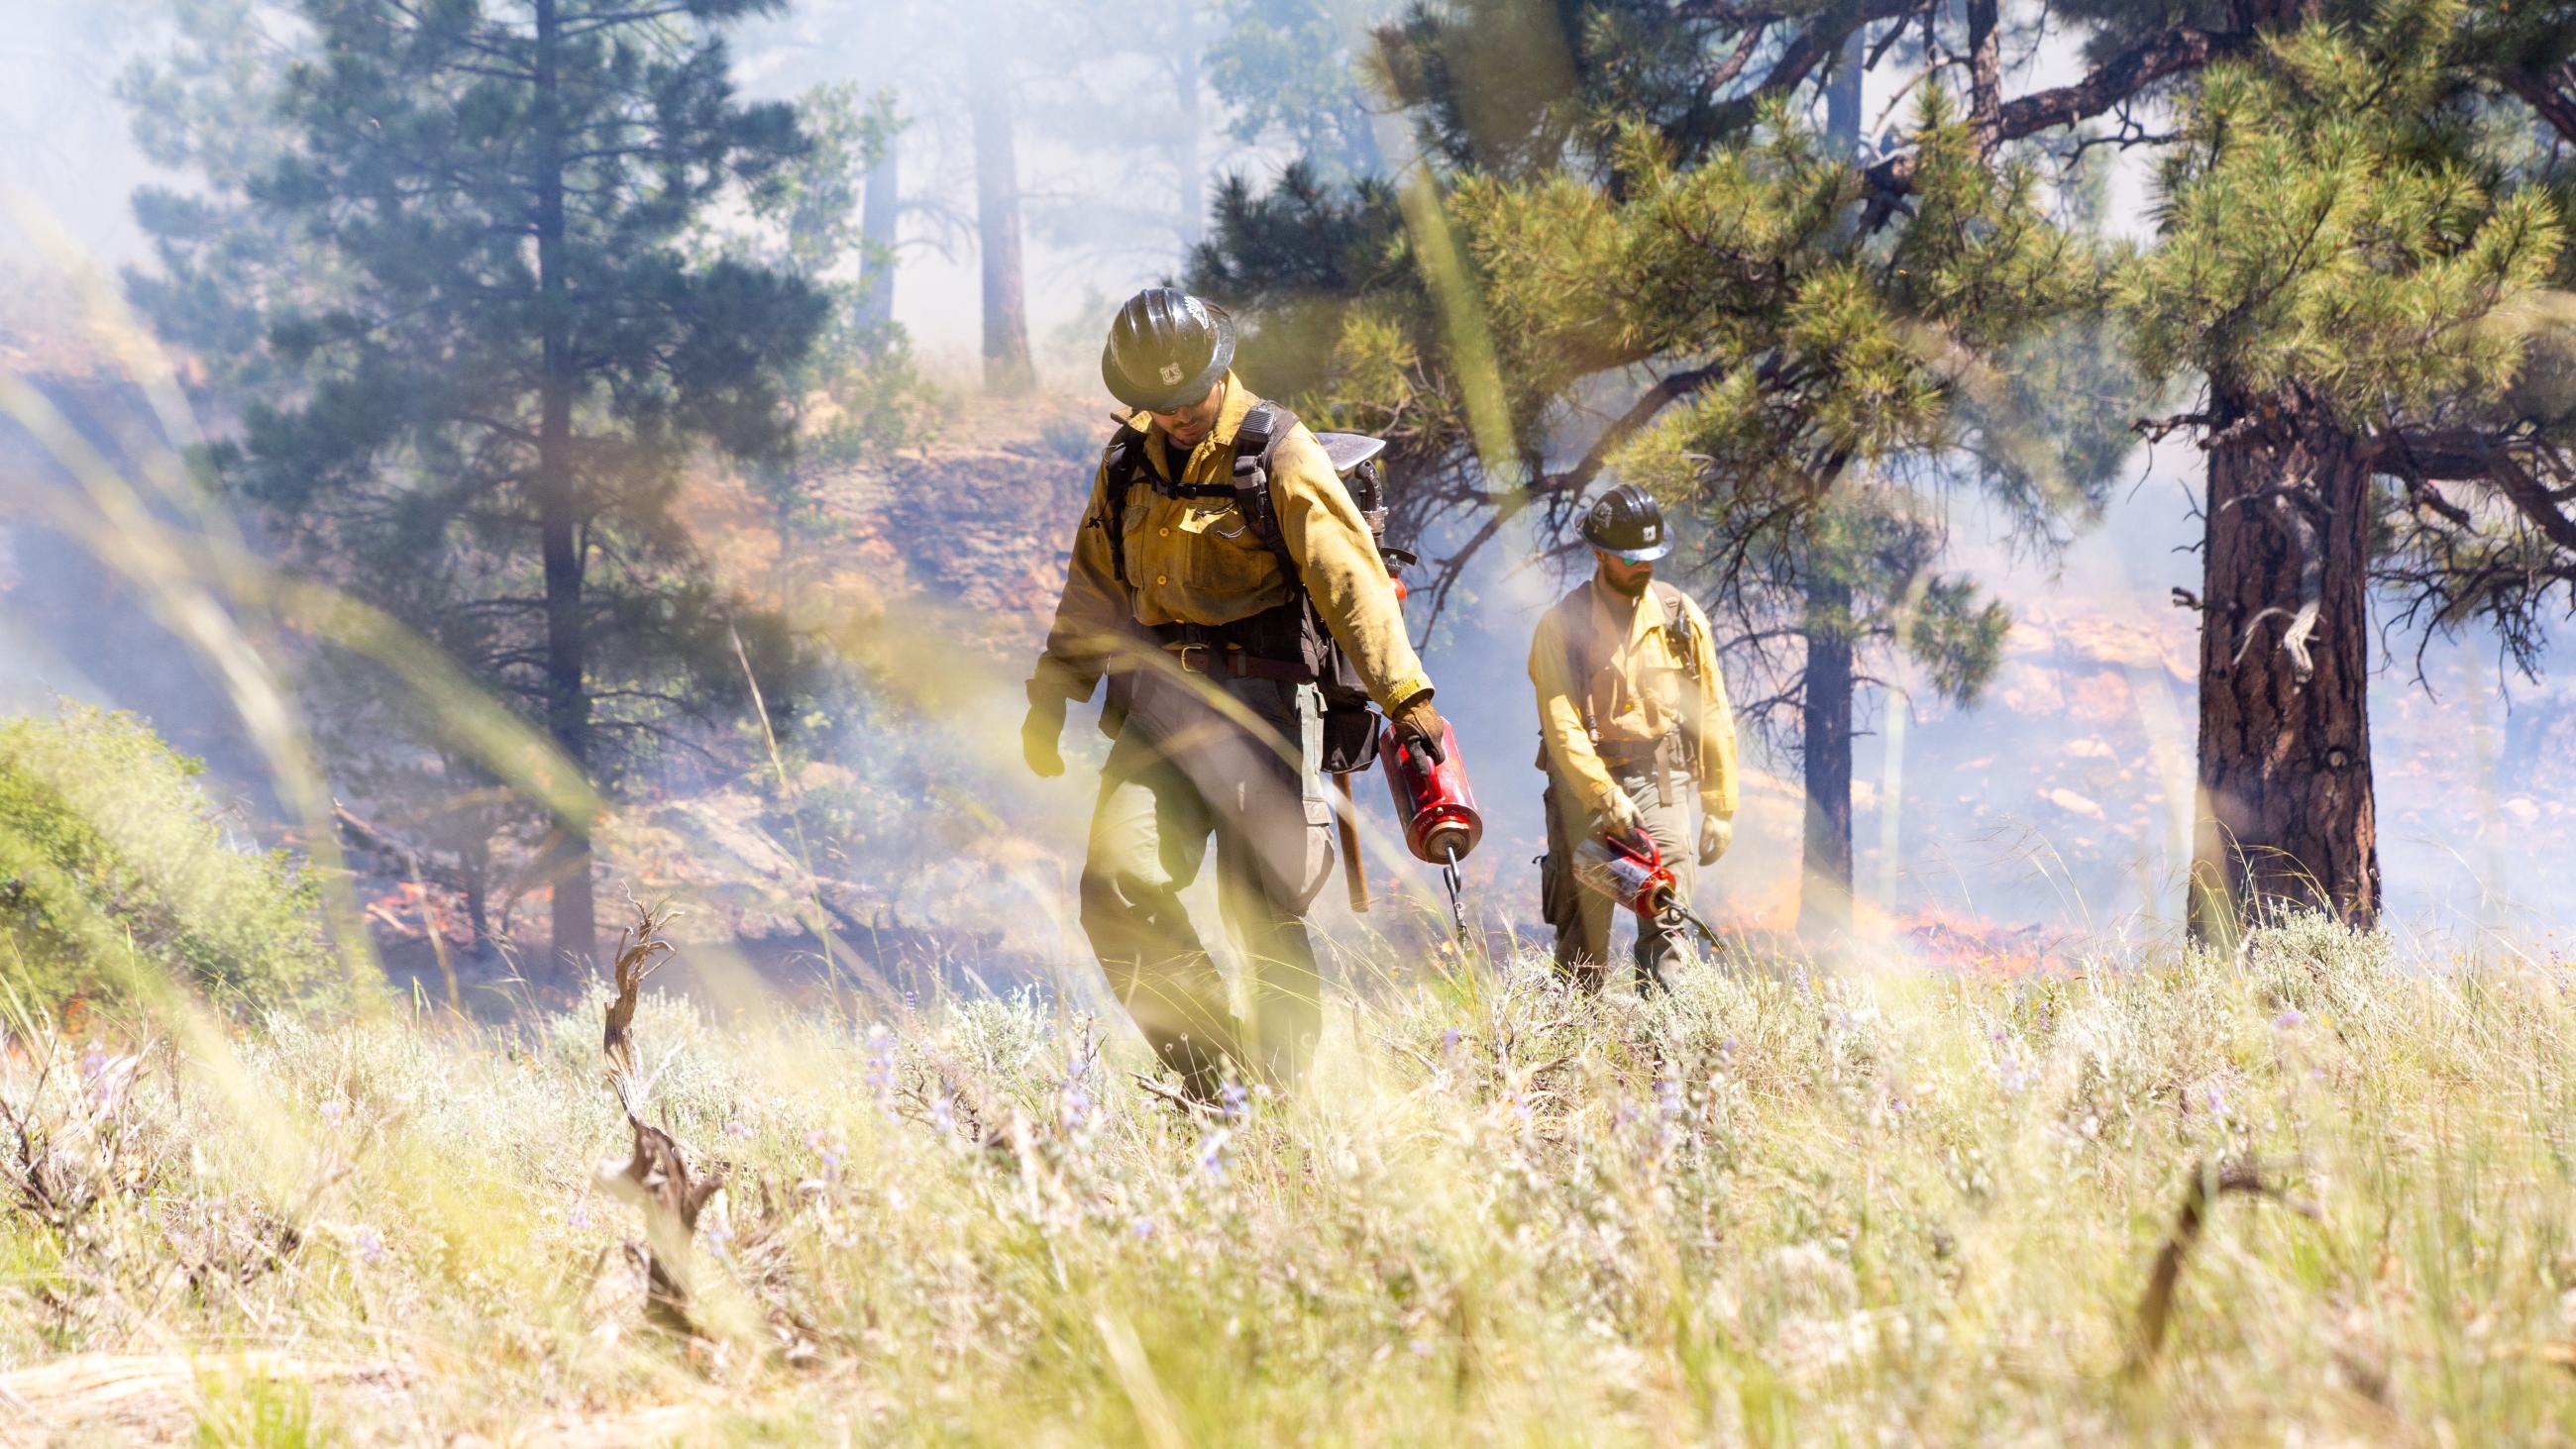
(1679, 632)
(1582, 654)
(1256, 438)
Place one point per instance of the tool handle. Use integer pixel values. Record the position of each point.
(1346, 824)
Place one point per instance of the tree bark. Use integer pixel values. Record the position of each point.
(1842, 98)
(1825, 701)
(1825, 894)
(575, 922)
(2286, 817)
(880, 203)
(1007, 369)
(1985, 74)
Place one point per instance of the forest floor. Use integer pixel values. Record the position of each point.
(1783, 1206)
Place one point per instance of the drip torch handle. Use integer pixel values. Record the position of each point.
(1346, 825)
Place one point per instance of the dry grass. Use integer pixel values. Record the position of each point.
(1887, 1209)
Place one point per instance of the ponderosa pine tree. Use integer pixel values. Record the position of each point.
(1651, 232)
(497, 402)
(2352, 255)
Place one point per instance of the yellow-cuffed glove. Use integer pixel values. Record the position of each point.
(1417, 721)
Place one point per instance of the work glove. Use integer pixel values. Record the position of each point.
(1417, 721)
(1039, 734)
(1619, 821)
(1716, 833)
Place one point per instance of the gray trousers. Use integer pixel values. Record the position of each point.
(1583, 918)
(1184, 770)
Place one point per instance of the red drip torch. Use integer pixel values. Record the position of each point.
(1438, 808)
(1629, 869)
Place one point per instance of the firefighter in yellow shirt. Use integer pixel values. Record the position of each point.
(1226, 585)
(1634, 730)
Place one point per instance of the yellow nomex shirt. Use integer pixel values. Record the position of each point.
(1198, 561)
(1634, 688)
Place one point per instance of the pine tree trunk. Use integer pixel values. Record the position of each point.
(2286, 815)
(1824, 897)
(1985, 72)
(1842, 98)
(575, 922)
(880, 201)
(1825, 701)
(1007, 369)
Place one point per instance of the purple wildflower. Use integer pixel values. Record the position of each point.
(1212, 1152)
(881, 1074)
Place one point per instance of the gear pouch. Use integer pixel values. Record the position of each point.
(1350, 738)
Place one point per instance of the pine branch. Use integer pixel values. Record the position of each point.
(2170, 53)
(2550, 93)
(1815, 44)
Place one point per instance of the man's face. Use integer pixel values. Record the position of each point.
(1628, 578)
(1189, 425)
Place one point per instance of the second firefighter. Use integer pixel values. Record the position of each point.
(1634, 732)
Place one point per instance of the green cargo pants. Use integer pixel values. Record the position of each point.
(1182, 770)
(1583, 918)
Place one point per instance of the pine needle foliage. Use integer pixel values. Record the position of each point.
(2339, 215)
(1644, 225)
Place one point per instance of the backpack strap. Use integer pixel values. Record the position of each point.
(1679, 631)
(1256, 439)
(1580, 664)
(1118, 464)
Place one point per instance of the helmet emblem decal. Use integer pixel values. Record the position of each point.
(1171, 374)
(1654, 532)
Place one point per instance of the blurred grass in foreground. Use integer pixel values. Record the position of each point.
(1770, 1209)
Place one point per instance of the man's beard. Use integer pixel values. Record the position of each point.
(1633, 585)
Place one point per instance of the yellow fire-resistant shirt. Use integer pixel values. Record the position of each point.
(1608, 677)
(1198, 561)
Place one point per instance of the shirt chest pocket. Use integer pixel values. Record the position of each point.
(1642, 689)
(1216, 548)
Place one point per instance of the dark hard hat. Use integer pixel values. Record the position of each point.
(1628, 523)
(1166, 349)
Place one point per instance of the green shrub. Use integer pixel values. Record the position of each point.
(117, 874)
